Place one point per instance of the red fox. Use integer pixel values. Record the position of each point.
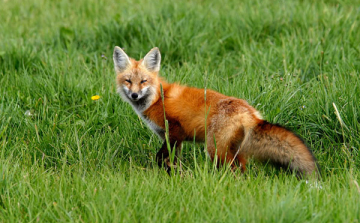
(234, 130)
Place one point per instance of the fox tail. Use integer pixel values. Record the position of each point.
(267, 142)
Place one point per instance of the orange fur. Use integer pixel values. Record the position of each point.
(233, 129)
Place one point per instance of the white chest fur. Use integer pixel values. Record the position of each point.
(140, 108)
(153, 126)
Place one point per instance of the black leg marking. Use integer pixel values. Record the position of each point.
(163, 156)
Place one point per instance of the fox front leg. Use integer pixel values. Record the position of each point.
(163, 156)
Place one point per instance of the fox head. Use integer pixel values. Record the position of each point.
(137, 81)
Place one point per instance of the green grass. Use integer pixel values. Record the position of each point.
(77, 160)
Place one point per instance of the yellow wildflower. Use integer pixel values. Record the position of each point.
(95, 97)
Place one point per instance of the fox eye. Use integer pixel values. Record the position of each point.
(129, 81)
(143, 81)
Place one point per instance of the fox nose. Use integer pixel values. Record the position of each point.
(134, 95)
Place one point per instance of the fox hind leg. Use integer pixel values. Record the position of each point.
(225, 147)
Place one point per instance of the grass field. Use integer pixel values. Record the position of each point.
(66, 158)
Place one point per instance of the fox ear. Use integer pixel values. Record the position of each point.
(121, 60)
(152, 60)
